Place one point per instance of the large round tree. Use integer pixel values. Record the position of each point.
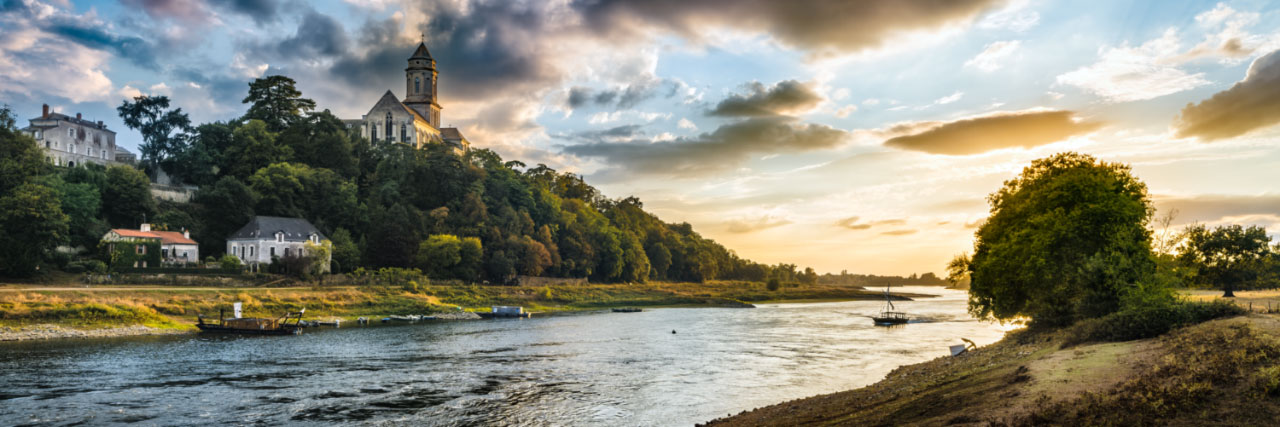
(1066, 239)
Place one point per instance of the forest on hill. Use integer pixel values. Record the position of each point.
(471, 216)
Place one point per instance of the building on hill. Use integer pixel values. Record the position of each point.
(174, 247)
(268, 238)
(416, 120)
(70, 141)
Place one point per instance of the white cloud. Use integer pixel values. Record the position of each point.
(949, 98)
(871, 101)
(1125, 73)
(248, 70)
(1055, 95)
(30, 59)
(993, 55)
(840, 94)
(684, 123)
(129, 92)
(846, 111)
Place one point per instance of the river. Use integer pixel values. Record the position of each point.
(599, 368)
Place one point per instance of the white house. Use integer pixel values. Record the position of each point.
(266, 237)
(175, 247)
(70, 141)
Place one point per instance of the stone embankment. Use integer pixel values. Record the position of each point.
(456, 315)
(45, 332)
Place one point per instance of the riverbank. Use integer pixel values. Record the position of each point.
(79, 311)
(1222, 372)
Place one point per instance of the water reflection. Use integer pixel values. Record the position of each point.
(578, 369)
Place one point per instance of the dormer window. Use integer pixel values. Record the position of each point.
(279, 237)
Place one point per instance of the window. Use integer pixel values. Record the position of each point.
(273, 251)
(373, 132)
(71, 133)
(404, 133)
(39, 135)
(286, 251)
(164, 253)
(251, 251)
(140, 249)
(46, 145)
(417, 83)
(387, 128)
(232, 250)
(279, 237)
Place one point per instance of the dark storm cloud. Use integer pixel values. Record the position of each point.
(785, 98)
(1250, 104)
(624, 132)
(810, 24)
(95, 36)
(727, 147)
(624, 97)
(226, 90)
(995, 131)
(317, 35)
(261, 11)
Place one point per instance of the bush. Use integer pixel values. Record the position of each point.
(773, 284)
(229, 262)
(1149, 321)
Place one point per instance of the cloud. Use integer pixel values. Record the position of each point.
(853, 224)
(31, 57)
(992, 132)
(190, 12)
(1250, 104)
(899, 232)
(845, 111)
(684, 123)
(741, 226)
(727, 147)
(1215, 207)
(1013, 17)
(623, 97)
(317, 36)
(816, 25)
(788, 97)
(993, 56)
(1125, 73)
(261, 11)
(949, 98)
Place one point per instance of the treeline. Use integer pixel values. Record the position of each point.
(471, 216)
(871, 280)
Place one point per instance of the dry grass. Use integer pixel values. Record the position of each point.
(1259, 301)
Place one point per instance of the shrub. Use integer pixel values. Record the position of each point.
(229, 262)
(1148, 321)
(773, 284)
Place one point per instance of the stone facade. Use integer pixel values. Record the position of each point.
(416, 120)
(70, 141)
(268, 238)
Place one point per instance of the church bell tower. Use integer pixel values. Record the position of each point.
(420, 85)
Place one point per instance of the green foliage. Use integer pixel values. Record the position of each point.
(1137, 322)
(773, 284)
(82, 203)
(346, 254)
(163, 130)
(230, 262)
(31, 226)
(126, 197)
(446, 256)
(130, 254)
(277, 102)
(1065, 240)
(253, 147)
(1230, 257)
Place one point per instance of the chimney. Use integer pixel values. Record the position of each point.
(186, 234)
(145, 228)
(77, 116)
(45, 114)
(100, 124)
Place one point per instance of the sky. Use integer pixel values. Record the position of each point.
(860, 136)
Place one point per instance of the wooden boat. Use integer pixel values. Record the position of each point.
(888, 316)
(628, 310)
(254, 325)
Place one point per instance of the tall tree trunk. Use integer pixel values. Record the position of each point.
(1227, 293)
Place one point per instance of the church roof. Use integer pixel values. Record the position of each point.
(421, 52)
(389, 99)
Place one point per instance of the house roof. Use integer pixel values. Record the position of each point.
(66, 118)
(266, 227)
(173, 238)
(165, 237)
(124, 232)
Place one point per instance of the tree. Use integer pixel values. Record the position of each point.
(1066, 239)
(163, 130)
(126, 197)
(82, 203)
(253, 147)
(346, 253)
(958, 271)
(31, 225)
(1229, 256)
(224, 208)
(277, 102)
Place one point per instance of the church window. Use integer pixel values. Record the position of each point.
(417, 83)
(388, 126)
(373, 132)
(404, 133)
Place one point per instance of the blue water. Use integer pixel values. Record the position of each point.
(578, 369)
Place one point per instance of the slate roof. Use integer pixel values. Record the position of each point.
(265, 227)
(70, 119)
(421, 52)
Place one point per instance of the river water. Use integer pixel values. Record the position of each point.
(598, 368)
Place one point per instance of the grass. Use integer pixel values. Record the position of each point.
(177, 307)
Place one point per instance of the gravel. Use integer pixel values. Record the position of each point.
(45, 332)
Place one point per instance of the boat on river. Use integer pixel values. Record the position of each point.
(889, 315)
(288, 324)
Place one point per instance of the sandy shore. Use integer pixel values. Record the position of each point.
(46, 332)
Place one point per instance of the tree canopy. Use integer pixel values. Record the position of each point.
(277, 102)
(1066, 239)
(163, 130)
(1229, 257)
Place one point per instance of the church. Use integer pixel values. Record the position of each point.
(416, 120)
